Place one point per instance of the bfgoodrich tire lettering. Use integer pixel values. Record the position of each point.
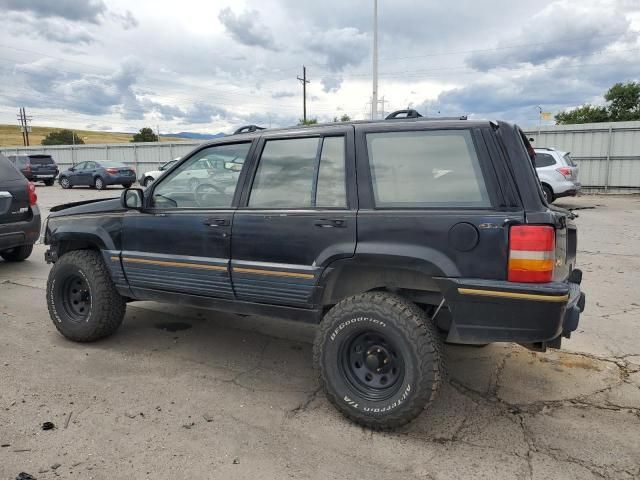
(105, 308)
(393, 330)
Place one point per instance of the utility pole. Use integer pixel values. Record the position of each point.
(22, 127)
(158, 131)
(374, 98)
(304, 93)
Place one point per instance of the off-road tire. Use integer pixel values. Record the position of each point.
(99, 183)
(416, 339)
(49, 183)
(107, 305)
(17, 254)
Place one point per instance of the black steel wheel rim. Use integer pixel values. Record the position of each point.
(372, 365)
(76, 298)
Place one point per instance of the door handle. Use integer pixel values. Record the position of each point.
(217, 222)
(331, 223)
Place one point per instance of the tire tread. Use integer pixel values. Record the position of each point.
(410, 319)
(108, 305)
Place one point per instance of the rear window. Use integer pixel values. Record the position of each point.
(112, 164)
(41, 160)
(544, 160)
(569, 160)
(425, 169)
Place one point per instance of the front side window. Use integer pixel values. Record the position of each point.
(425, 169)
(301, 173)
(81, 166)
(197, 184)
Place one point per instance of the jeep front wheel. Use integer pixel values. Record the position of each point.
(378, 358)
(83, 302)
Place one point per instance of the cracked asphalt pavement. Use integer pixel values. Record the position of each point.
(236, 397)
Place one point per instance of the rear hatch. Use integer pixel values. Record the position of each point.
(43, 166)
(14, 194)
(573, 166)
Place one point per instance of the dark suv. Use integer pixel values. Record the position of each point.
(36, 167)
(19, 213)
(389, 234)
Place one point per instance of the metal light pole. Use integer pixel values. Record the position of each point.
(539, 121)
(374, 97)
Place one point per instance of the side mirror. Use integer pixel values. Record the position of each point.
(72, 169)
(233, 166)
(132, 198)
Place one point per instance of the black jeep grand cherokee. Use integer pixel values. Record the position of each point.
(385, 233)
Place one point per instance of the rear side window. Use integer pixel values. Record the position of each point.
(544, 160)
(300, 173)
(7, 170)
(425, 169)
(20, 161)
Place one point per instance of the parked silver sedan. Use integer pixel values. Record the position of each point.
(558, 173)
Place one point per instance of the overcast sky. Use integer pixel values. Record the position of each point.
(210, 66)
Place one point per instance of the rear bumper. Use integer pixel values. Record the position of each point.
(485, 311)
(119, 179)
(20, 233)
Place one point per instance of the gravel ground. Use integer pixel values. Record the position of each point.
(235, 397)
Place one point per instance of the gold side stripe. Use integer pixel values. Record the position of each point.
(519, 296)
(273, 273)
(172, 264)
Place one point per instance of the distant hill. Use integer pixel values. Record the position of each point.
(194, 136)
(10, 136)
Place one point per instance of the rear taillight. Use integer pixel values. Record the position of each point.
(565, 171)
(31, 190)
(27, 168)
(531, 253)
(112, 171)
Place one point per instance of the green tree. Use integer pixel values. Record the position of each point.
(145, 135)
(623, 104)
(309, 121)
(624, 101)
(584, 114)
(62, 137)
(343, 118)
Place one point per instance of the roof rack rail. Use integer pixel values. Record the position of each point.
(409, 113)
(248, 129)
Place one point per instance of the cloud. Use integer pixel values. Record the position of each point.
(52, 29)
(549, 35)
(341, 47)
(245, 29)
(74, 10)
(331, 84)
(126, 19)
(282, 94)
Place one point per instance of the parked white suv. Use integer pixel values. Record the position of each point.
(147, 178)
(558, 173)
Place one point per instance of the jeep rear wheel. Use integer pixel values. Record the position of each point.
(378, 358)
(83, 302)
